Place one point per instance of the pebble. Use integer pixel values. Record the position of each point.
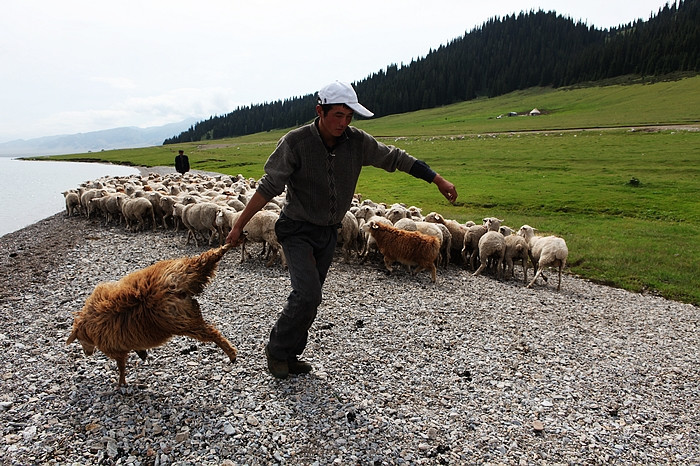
(446, 373)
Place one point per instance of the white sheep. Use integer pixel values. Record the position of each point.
(492, 248)
(544, 251)
(457, 231)
(86, 196)
(137, 212)
(516, 250)
(472, 236)
(349, 236)
(72, 202)
(200, 218)
(261, 229)
(396, 212)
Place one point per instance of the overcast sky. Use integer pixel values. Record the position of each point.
(73, 66)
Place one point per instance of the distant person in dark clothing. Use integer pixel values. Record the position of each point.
(182, 163)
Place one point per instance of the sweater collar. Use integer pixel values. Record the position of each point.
(344, 137)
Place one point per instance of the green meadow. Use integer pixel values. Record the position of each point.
(603, 166)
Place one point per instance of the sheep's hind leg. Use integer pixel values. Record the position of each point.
(209, 333)
(121, 365)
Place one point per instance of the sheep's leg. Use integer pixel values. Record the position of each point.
(472, 261)
(121, 365)
(433, 271)
(272, 252)
(143, 354)
(481, 268)
(559, 284)
(387, 264)
(209, 333)
(534, 279)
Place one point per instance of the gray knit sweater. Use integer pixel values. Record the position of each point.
(301, 162)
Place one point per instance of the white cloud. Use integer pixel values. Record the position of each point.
(154, 110)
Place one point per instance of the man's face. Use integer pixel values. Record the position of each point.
(335, 121)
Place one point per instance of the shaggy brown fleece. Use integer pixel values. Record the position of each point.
(147, 307)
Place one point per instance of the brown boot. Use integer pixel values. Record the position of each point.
(277, 367)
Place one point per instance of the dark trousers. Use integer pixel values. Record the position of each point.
(309, 252)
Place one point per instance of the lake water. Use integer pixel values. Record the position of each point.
(31, 190)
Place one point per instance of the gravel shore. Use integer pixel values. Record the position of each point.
(468, 371)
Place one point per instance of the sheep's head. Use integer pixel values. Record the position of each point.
(506, 231)
(79, 334)
(492, 223)
(527, 232)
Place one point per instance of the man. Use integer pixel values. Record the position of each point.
(182, 162)
(319, 164)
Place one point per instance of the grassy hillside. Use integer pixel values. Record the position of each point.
(624, 200)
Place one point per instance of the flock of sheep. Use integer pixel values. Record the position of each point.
(207, 207)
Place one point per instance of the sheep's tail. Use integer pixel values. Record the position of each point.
(200, 269)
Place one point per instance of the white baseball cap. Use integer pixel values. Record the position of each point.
(342, 93)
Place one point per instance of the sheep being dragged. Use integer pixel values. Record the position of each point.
(408, 247)
(545, 251)
(146, 308)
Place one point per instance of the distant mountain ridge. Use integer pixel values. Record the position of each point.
(94, 141)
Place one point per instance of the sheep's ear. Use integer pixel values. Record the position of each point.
(500, 220)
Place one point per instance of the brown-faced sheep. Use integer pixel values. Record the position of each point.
(408, 247)
(146, 308)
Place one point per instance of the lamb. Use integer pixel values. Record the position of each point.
(492, 248)
(146, 308)
(472, 236)
(72, 202)
(136, 211)
(261, 229)
(457, 231)
(544, 251)
(408, 247)
(396, 212)
(470, 244)
(108, 205)
(201, 217)
(158, 211)
(349, 235)
(85, 199)
(516, 250)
